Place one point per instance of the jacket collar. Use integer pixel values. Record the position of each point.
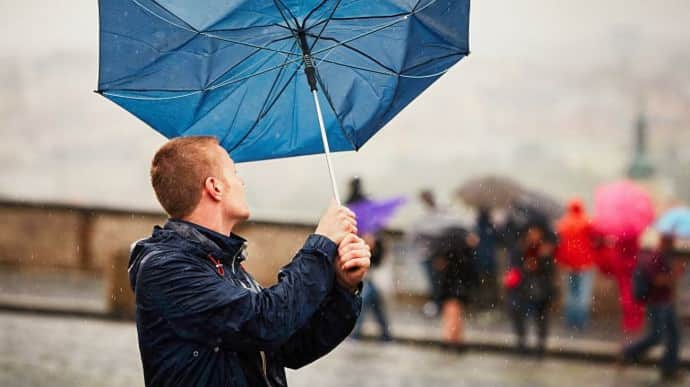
(221, 247)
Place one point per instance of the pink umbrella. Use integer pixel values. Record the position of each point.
(622, 209)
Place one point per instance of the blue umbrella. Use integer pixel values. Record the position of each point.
(254, 73)
(675, 221)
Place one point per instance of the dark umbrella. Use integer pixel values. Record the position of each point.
(490, 191)
(544, 204)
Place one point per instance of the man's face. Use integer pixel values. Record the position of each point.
(234, 201)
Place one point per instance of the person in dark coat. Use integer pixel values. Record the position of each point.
(661, 272)
(486, 257)
(202, 320)
(455, 260)
(530, 283)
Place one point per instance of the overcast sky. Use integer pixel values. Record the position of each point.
(547, 96)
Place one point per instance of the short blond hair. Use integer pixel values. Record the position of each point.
(179, 171)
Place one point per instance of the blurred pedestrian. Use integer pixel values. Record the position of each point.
(486, 258)
(372, 300)
(530, 284)
(576, 254)
(617, 257)
(202, 320)
(424, 236)
(455, 260)
(656, 282)
(356, 191)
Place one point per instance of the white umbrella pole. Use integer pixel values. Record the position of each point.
(326, 148)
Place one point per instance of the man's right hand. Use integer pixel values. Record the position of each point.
(336, 223)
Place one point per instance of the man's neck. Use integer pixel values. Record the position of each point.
(215, 222)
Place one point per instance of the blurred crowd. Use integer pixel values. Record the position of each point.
(512, 258)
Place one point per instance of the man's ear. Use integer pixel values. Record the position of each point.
(214, 188)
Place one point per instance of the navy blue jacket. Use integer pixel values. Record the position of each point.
(203, 321)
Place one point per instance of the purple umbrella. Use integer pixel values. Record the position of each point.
(373, 215)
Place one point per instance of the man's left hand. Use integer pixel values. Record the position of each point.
(353, 262)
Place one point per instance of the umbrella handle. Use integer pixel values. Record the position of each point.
(326, 148)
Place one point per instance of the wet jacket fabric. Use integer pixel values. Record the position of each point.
(656, 264)
(575, 234)
(202, 320)
(460, 277)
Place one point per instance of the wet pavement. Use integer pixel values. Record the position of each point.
(63, 351)
(84, 294)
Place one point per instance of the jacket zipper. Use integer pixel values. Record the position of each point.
(264, 362)
(264, 367)
(237, 254)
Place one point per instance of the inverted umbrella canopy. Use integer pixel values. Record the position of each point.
(373, 215)
(622, 209)
(675, 221)
(245, 70)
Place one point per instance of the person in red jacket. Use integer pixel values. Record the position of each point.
(575, 254)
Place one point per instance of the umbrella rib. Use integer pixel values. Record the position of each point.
(192, 92)
(273, 85)
(286, 53)
(392, 74)
(239, 79)
(461, 54)
(144, 98)
(304, 22)
(370, 17)
(328, 19)
(247, 57)
(226, 97)
(159, 52)
(197, 32)
(280, 5)
(377, 29)
(358, 51)
(263, 112)
(244, 28)
(186, 25)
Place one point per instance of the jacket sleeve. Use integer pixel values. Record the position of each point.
(329, 326)
(202, 306)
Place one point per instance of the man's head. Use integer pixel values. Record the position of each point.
(194, 177)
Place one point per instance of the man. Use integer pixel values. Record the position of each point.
(202, 320)
(662, 271)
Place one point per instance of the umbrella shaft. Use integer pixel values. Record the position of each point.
(326, 148)
(309, 68)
